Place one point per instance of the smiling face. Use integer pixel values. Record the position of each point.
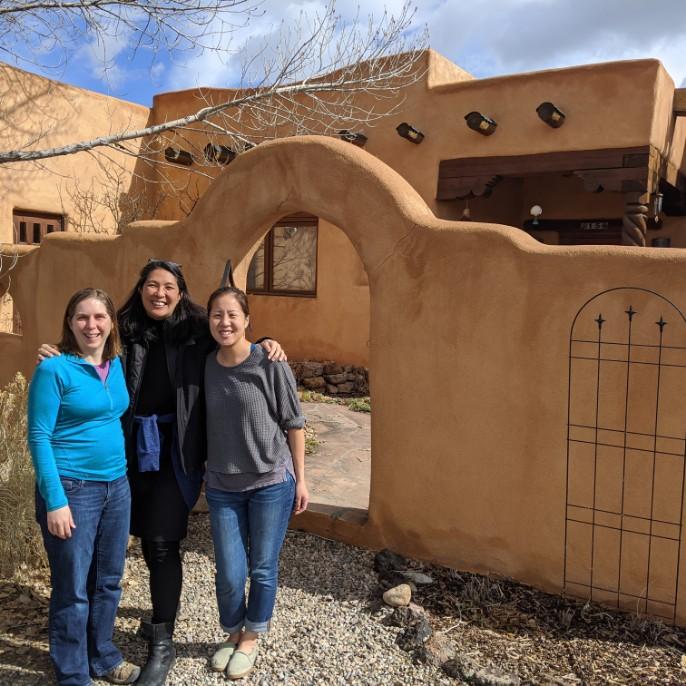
(160, 294)
(91, 326)
(228, 321)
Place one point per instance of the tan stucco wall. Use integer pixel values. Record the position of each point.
(469, 344)
(612, 105)
(38, 113)
(335, 324)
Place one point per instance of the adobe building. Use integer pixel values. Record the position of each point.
(528, 394)
(585, 155)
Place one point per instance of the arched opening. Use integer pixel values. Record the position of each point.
(309, 289)
(10, 320)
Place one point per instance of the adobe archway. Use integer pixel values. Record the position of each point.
(469, 344)
(352, 190)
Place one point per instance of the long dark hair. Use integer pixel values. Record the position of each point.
(68, 342)
(188, 320)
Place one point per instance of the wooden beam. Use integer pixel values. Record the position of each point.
(619, 180)
(617, 169)
(680, 102)
(467, 187)
(543, 163)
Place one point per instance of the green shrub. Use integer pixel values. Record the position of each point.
(359, 404)
(20, 540)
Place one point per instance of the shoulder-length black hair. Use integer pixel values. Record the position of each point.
(188, 320)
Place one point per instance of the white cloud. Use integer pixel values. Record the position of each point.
(509, 36)
(485, 37)
(100, 56)
(263, 37)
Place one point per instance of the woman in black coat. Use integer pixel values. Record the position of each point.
(166, 340)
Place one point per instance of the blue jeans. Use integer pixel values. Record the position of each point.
(85, 572)
(248, 529)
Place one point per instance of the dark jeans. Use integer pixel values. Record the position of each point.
(85, 572)
(248, 529)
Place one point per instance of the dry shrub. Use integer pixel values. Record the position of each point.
(20, 540)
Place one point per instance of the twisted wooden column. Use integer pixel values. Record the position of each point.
(635, 219)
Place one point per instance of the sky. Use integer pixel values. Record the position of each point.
(485, 37)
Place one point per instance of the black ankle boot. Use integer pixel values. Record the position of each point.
(161, 653)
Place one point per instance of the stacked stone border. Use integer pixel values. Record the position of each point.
(330, 377)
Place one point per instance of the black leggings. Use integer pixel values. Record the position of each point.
(163, 559)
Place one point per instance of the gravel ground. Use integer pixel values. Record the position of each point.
(330, 627)
(327, 627)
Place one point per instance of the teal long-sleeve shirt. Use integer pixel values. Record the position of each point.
(74, 424)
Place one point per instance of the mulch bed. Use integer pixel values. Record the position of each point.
(548, 639)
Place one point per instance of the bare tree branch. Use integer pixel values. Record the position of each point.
(295, 87)
(46, 33)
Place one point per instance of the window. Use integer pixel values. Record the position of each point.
(30, 227)
(286, 261)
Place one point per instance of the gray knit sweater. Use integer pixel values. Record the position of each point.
(249, 408)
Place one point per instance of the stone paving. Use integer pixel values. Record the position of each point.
(338, 472)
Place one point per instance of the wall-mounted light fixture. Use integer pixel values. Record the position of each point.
(480, 123)
(658, 199)
(466, 213)
(178, 156)
(655, 213)
(408, 132)
(536, 211)
(221, 154)
(550, 114)
(358, 139)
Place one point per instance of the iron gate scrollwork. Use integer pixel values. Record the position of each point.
(626, 447)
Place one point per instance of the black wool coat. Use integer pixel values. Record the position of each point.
(186, 367)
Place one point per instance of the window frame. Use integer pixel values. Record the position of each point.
(34, 219)
(300, 219)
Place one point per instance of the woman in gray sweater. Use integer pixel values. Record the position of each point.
(255, 477)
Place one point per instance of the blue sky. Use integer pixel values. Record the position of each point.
(485, 37)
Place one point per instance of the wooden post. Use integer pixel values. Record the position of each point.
(635, 219)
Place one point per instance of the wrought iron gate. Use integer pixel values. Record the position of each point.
(626, 451)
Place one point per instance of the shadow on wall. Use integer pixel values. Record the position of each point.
(470, 347)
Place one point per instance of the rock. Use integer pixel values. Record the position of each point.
(330, 388)
(414, 637)
(406, 615)
(418, 578)
(463, 667)
(332, 368)
(346, 387)
(386, 561)
(436, 651)
(398, 595)
(392, 580)
(351, 377)
(312, 369)
(297, 370)
(305, 373)
(336, 378)
(314, 383)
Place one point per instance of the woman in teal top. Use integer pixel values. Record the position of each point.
(83, 500)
